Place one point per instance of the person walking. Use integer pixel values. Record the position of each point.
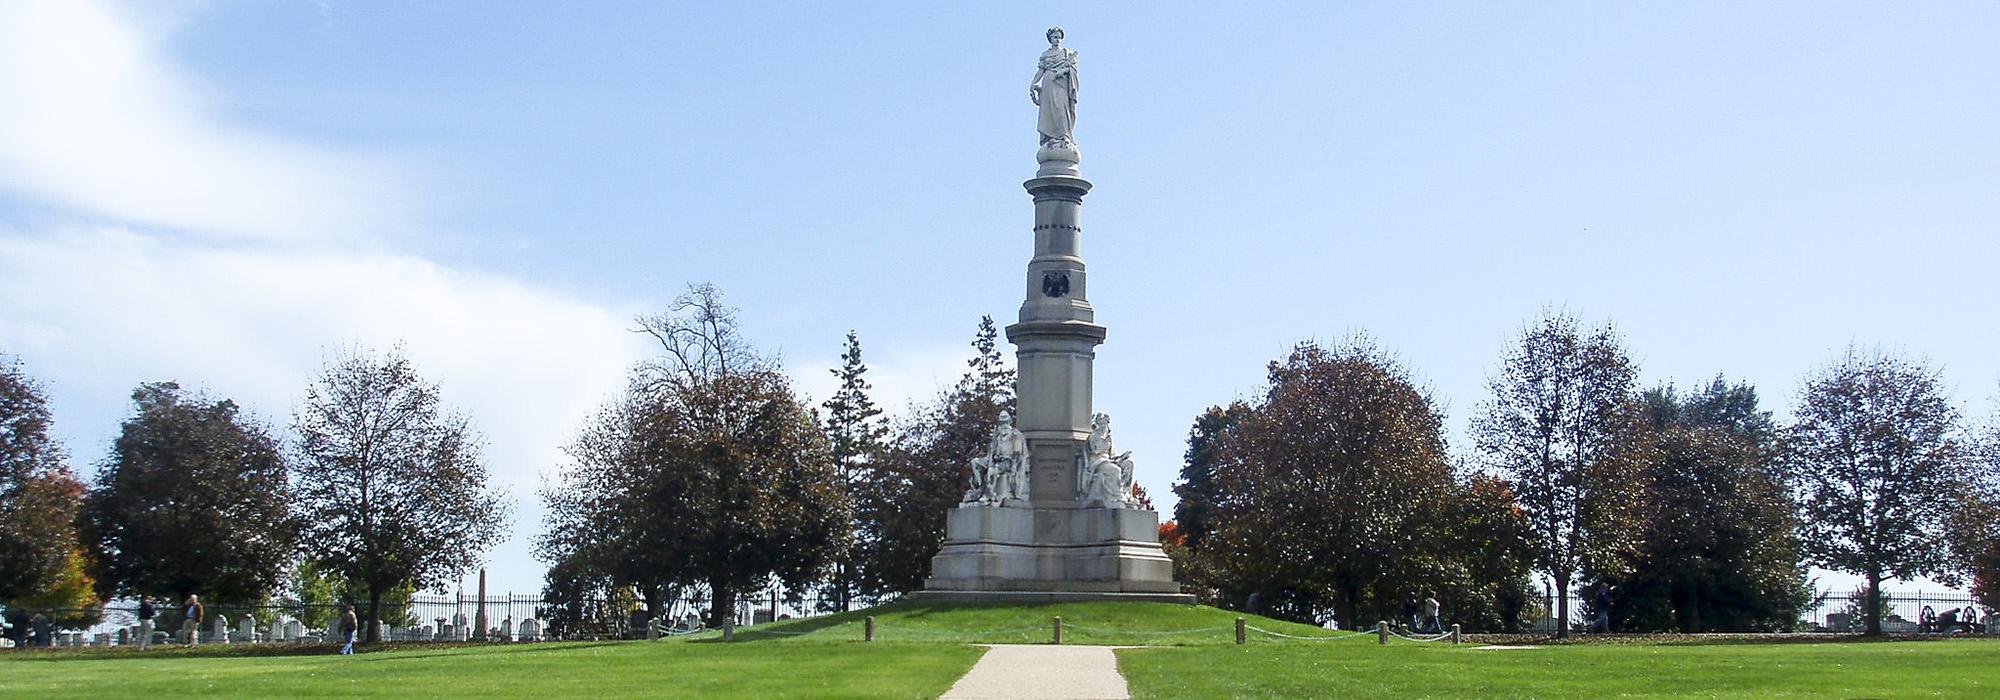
(348, 626)
(1432, 625)
(1603, 621)
(146, 614)
(191, 621)
(1409, 611)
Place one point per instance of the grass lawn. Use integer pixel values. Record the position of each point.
(921, 649)
(1359, 668)
(554, 670)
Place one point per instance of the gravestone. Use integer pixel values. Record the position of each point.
(507, 628)
(277, 628)
(219, 629)
(531, 630)
(246, 629)
(1052, 512)
(295, 631)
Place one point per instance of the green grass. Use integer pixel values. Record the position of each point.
(1119, 623)
(555, 670)
(920, 649)
(1359, 668)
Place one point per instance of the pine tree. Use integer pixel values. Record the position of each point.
(855, 432)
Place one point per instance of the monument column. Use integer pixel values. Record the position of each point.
(1074, 535)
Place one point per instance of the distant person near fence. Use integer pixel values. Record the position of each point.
(191, 620)
(146, 614)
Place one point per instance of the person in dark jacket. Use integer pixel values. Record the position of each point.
(1410, 610)
(1603, 604)
(146, 614)
(349, 625)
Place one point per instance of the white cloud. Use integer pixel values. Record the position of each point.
(92, 120)
(97, 312)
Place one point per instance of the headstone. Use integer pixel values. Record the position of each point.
(1072, 528)
(102, 639)
(295, 631)
(460, 627)
(429, 633)
(507, 629)
(381, 630)
(531, 630)
(219, 628)
(125, 634)
(246, 629)
(277, 633)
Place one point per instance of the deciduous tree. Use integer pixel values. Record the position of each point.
(39, 497)
(392, 487)
(193, 499)
(1561, 400)
(1875, 460)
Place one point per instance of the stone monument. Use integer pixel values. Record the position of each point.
(1051, 513)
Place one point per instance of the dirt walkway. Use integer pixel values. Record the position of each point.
(1034, 671)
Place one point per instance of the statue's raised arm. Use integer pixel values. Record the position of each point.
(1053, 90)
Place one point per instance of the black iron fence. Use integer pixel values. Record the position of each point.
(1903, 612)
(421, 618)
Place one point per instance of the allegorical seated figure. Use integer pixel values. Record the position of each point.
(1107, 474)
(1002, 473)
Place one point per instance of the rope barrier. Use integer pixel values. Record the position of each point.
(1431, 638)
(1143, 633)
(1315, 638)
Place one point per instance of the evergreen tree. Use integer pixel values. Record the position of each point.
(925, 468)
(855, 433)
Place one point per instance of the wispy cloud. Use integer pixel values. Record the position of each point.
(92, 119)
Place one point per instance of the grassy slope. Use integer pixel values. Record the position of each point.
(1359, 668)
(1083, 623)
(560, 670)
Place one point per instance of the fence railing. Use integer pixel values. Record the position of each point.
(1830, 611)
(420, 618)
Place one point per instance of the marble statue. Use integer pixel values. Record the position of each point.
(1107, 474)
(1053, 89)
(1002, 473)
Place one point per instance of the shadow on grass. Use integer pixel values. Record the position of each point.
(511, 649)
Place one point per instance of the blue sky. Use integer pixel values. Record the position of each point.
(224, 193)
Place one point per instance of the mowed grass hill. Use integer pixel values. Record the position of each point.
(1188, 652)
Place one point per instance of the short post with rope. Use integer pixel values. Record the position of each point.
(1382, 632)
(1454, 633)
(868, 629)
(1058, 622)
(729, 628)
(1239, 630)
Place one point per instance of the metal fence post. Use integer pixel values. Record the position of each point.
(1239, 630)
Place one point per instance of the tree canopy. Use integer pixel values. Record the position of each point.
(39, 497)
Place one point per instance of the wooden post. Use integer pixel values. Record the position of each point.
(1382, 631)
(1454, 633)
(1239, 630)
(1058, 638)
(868, 629)
(774, 603)
(729, 628)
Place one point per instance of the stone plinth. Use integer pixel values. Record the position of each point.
(1049, 554)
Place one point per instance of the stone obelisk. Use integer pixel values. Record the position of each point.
(1075, 531)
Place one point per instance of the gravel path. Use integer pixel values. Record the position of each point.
(1034, 671)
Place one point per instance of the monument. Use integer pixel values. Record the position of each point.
(1051, 512)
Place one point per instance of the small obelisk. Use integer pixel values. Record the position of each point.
(1079, 533)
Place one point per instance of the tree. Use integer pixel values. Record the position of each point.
(39, 498)
(392, 488)
(1196, 489)
(925, 467)
(1560, 402)
(1327, 493)
(855, 433)
(1718, 549)
(709, 470)
(1875, 462)
(1975, 522)
(193, 499)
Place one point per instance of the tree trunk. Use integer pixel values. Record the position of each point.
(370, 632)
(721, 603)
(1562, 606)
(1872, 603)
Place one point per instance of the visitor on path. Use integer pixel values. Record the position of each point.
(1603, 621)
(349, 625)
(1409, 620)
(191, 620)
(1432, 625)
(146, 614)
